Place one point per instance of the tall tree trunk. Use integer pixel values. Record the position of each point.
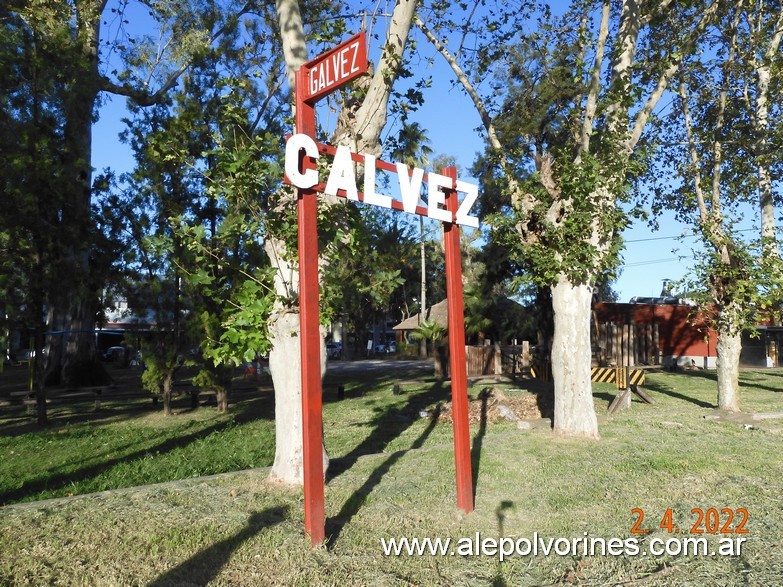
(766, 198)
(223, 388)
(168, 386)
(73, 359)
(729, 348)
(285, 369)
(574, 413)
(39, 368)
(283, 363)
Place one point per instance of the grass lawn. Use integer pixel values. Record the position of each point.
(392, 476)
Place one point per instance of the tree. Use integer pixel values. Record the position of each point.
(362, 117)
(207, 163)
(68, 35)
(718, 145)
(431, 333)
(413, 150)
(32, 226)
(759, 37)
(564, 141)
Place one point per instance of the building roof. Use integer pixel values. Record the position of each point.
(438, 313)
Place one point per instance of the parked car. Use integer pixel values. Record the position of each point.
(386, 347)
(334, 350)
(115, 353)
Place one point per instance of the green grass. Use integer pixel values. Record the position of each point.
(240, 529)
(83, 457)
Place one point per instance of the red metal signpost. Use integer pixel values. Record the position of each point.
(315, 80)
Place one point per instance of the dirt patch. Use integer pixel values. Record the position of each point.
(494, 405)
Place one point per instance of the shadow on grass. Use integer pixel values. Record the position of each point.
(500, 513)
(667, 390)
(360, 377)
(746, 380)
(17, 422)
(388, 425)
(604, 396)
(58, 481)
(203, 567)
(478, 441)
(335, 525)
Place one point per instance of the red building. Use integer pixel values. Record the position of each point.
(653, 334)
(669, 334)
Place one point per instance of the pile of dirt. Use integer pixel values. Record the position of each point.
(493, 405)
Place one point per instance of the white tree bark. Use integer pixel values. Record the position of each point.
(762, 69)
(729, 349)
(574, 408)
(283, 365)
(571, 352)
(285, 368)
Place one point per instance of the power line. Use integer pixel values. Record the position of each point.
(651, 262)
(660, 238)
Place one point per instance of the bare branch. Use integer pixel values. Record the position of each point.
(465, 29)
(646, 111)
(523, 202)
(694, 155)
(372, 114)
(595, 81)
(142, 96)
(486, 119)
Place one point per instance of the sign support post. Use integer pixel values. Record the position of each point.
(310, 345)
(314, 80)
(457, 361)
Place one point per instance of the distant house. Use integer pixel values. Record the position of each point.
(659, 332)
(510, 320)
(439, 313)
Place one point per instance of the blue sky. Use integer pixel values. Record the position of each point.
(450, 121)
(650, 257)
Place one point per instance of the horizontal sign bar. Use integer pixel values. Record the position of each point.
(302, 155)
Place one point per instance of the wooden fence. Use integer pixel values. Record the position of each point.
(625, 344)
(497, 359)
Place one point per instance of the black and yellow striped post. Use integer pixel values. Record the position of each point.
(636, 377)
(621, 377)
(626, 380)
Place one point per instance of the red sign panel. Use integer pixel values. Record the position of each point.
(335, 68)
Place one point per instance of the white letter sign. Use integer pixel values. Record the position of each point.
(336, 67)
(295, 144)
(437, 199)
(342, 182)
(471, 195)
(370, 195)
(410, 186)
(342, 177)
